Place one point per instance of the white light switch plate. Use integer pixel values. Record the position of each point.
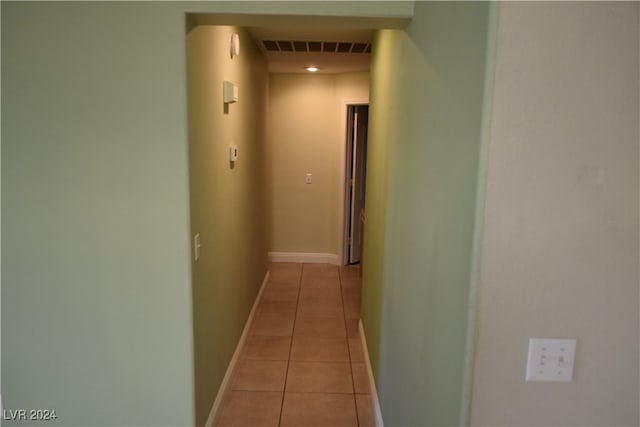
(233, 153)
(196, 247)
(551, 359)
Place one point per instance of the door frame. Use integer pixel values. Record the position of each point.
(343, 206)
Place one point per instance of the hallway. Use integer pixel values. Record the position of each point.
(302, 363)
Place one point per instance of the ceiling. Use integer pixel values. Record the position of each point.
(291, 49)
(324, 28)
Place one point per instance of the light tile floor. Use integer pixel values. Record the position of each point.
(303, 364)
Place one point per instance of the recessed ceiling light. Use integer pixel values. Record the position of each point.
(312, 69)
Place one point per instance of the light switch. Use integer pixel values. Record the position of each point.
(550, 359)
(308, 179)
(196, 246)
(233, 153)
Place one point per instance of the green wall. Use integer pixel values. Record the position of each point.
(96, 300)
(97, 315)
(227, 201)
(424, 150)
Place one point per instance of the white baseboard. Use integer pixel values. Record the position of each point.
(214, 415)
(311, 258)
(375, 403)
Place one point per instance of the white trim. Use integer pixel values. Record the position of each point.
(375, 403)
(342, 193)
(311, 258)
(214, 415)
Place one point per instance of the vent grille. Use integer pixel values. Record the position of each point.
(316, 46)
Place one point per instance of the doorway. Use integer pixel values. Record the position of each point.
(355, 181)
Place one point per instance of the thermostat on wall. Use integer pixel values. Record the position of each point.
(229, 92)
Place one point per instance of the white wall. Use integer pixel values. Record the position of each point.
(560, 251)
(306, 134)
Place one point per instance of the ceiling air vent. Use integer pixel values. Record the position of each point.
(300, 46)
(270, 45)
(315, 46)
(285, 46)
(358, 47)
(344, 47)
(329, 46)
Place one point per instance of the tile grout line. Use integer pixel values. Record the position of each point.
(346, 328)
(293, 329)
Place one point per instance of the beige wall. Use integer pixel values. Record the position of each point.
(560, 252)
(227, 201)
(307, 135)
